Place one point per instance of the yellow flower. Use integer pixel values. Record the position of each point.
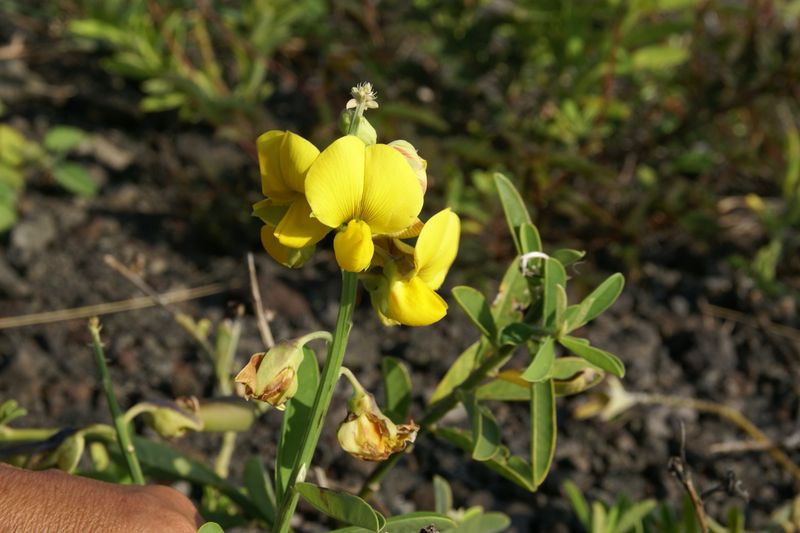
(284, 160)
(367, 434)
(363, 191)
(418, 165)
(288, 257)
(406, 291)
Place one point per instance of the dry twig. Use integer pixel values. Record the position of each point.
(263, 322)
(131, 304)
(678, 468)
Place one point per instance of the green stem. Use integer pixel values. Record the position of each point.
(120, 424)
(436, 411)
(223, 462)
(328, 379)
(227, 342)
(9, 434)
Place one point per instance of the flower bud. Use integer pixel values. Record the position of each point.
(418, 165)
(364, 129)
(168, 419)
(367, 434)
(226, 414)
(68, 454)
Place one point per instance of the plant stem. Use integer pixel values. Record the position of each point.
(223, 462)
(9, 434)
(322, 400)
(435, 412)
(228, 335)
(121, 426)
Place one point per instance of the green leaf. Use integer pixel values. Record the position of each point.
(413, 113)
(530, 241)
(561, 307)
(566, 367)
(539, 369)
(162, 102)
(509, 466)
(578, 502)
(11, 176)
(342, 506)
(8, 195)
(570, 375)
(659, 57)
(508, 386)
(513, 297)
(443, 495)
(513, 206)
(516, 333)
(613, 515)
(474, 304)
(10, 411)
(295, 421)
(397, 388)
(554, 275)
(8, 217)
(74, 178)
(543, 429)
(62, 139)
(16, 148)
(634, 516)
(600, 358)
(259, 487)
(485, 432)
(597, 301)
(210, 527)
(567, 256)
(458, 372)
(409, 523)
(484, 523)
(599, 522)
(735, 520)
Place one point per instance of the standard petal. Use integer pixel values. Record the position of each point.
(335, 182)
(297, 154)
(297, 228)
(269, 162)
(413, 303)
(354, 247)
(392, 195)
(436, 247)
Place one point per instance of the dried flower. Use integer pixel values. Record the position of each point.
(368, 434)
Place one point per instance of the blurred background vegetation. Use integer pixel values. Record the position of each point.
(621, 121)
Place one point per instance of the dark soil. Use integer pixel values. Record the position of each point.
(174, 200)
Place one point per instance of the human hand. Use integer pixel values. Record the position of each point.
(52, 500)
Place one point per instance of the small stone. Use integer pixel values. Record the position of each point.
(31, 237)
